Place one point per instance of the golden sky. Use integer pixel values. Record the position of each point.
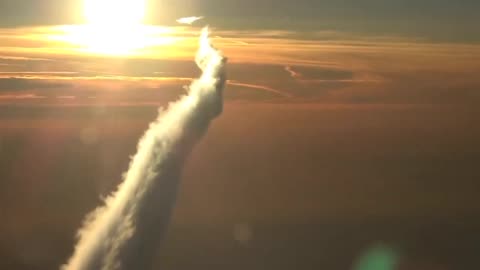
(336, 112)
(41, 63)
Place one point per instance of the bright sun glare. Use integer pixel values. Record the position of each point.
(114, 13)
(113, 26)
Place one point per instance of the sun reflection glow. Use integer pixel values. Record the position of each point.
(117, 41)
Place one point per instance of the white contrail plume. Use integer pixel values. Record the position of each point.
(189, 20)
(124, 234)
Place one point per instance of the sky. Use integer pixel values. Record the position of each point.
(347, 123)
(442, 19)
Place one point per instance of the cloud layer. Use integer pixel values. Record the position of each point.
(266, 66)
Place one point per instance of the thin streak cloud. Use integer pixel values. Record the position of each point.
(260, 87)
(292, 72)
(189, 20)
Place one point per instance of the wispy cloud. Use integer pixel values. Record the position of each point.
(292, 72)
(28, 73)
(21, 58)
(189, 20)
(14, 84)
(66, 97)
(328, 64)
(233, 40)
(260, 87)
(21, 96)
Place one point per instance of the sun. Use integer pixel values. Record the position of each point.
(114, 12)
(114, 26)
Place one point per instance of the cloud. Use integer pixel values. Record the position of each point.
(306, 73)
(189, 20)
(21, 96)
(314, 66)
(292, 73)
(19, 84)
(260, 87)
(22, 58)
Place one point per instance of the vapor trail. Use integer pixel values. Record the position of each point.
(124, 233)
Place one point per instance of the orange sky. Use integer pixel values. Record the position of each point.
(324, 67)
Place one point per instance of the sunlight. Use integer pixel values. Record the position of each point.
(118, 41)
(142, 41)
(114, 13)
(113, 27)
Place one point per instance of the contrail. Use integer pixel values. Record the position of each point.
(124, 234)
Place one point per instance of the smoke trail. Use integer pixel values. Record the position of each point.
(124, 233)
